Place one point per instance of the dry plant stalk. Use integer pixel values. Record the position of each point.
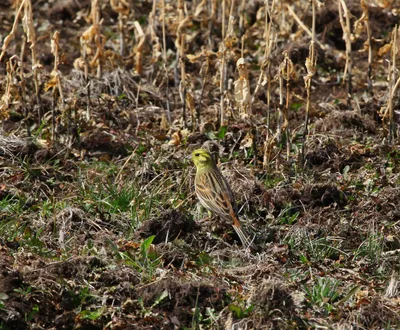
(367, 26)
(168, 110)
(311, 66)
(22, 85)
(189, 99)
(387, 112)
(10, 88)
(11, 70)
(93, 35)
(11, 35)
(241, 15)
(213, 14)
(156, 47)
(180, 46)
(242, 88)
(344, 13)
(182, 23)
(27, 24)
(225, 46)
(286, 72)
(139, 47)
(303, 26)
(199, 8)
(122, 7)
(265, 76)
(55, 50)
(221, 84)
(80, 64)
(223, 10)
(55, 81)
(182, 83)
(270, 41)
(204, 70)
(358, 27)
(221, 87)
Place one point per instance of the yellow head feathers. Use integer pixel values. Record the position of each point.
(202, 159)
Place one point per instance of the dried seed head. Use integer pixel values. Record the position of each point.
(242, 68)
(286, 69)
(79, 64)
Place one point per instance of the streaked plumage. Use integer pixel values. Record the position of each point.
(214, 193)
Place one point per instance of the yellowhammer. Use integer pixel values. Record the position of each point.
(214, 192)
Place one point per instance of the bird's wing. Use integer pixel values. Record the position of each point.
(211, 193)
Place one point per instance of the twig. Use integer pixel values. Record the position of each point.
(311, 63)
(167, 111)
(392, 124)
(11, 35)
(304, 27)
(56, 82)
(266, 73)
(367, 27)
(344, 12)
(27, 22)
(182, 85)
(122, 7)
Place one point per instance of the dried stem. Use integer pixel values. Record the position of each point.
(289, 67)
(180, 45)
(5, 100)
(97, 37)
(303, 26)
(344, 12)
(265, 76)
(22, 85)
(221, 86)
(155, 41)
(387, 111)
(223, 10)
(242, 88)
(311, 63)
(167, 111)
(12, 33)
(27, 23)
(269, 43)
(369, 72)
(56, 80)
(93, 36)
(204, 72)
(182, 85)
(286, 72)
(242, 17)
(138, 49)
(122, 8)
(392, 86)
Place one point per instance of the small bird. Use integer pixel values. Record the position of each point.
(214, 192)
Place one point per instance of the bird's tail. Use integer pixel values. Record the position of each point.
(244, 237)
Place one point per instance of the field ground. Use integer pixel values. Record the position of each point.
(99, 225)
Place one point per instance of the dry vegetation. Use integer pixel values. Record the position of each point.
(103, 101)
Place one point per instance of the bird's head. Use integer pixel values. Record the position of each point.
(202, 159)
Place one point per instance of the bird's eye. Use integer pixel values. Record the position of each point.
(197, 155)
